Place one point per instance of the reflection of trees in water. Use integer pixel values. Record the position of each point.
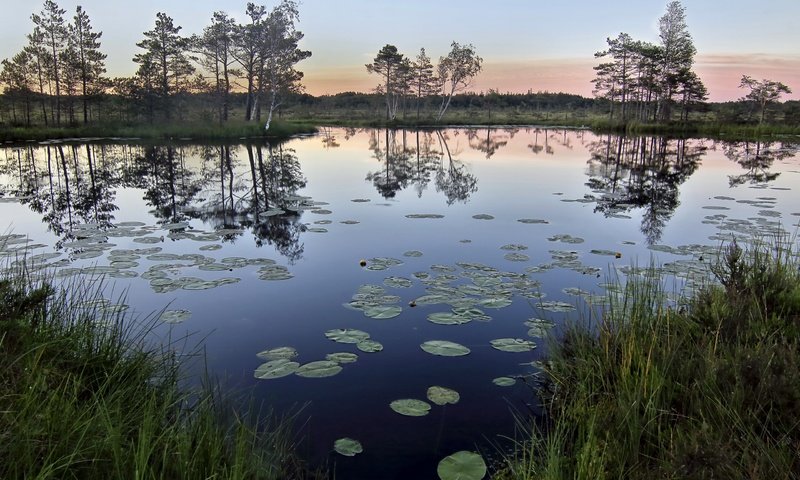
(409, 161)
(66, 184)
(490, 142)
(756, 158)
(453, 179)
(76, 184)
(641, 172)
(273, 213)
(169, 186)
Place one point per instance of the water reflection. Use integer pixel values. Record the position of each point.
(641, 173)
(756, 158)
(406, 162)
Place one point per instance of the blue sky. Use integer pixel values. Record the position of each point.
(526, 44)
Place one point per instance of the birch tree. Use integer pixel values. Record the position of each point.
(456, 72)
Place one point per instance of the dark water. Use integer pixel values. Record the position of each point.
(673, 201)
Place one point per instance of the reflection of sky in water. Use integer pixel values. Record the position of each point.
(529, 174)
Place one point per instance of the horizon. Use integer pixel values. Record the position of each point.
(732, 39)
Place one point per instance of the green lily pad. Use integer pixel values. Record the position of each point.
(347, 335)
(424, 215)
(281, 367)
(175, 316)
(208, 248)
(504, 381)
(553, 306)
(317, 230)
(516, 257)
(495, 302)
(514, 247)
(277, 353)
(398, 282)
(412, 253)
(382, 312)
(347, 447)
(444, 348)
(483, 216)
(513, 345)
(442, 395)
(349, 222)
(342, 357)
(319, 369)
(411, 407)
(369, 346)
(462, 465)
(148, 239)
(447, 318)
(565, 238)
(360, 200)
(533, 221)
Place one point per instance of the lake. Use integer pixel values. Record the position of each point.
(422, 258)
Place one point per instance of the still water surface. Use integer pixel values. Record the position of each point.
(262, 244)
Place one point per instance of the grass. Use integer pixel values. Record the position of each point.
(712, 391)
(232, 130)
(82, 395)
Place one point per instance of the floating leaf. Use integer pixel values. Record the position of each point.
(516, 257)
(412, 253)
(533, 221)
(447, 318)
(504, 381)
(513, 345)
(514, 247)
(483, 216)
(276, 369)
(424, 215)
(462, 465)
(553, 306)
(360, 200)
(319, 369)
(148, 239)
(442, 395)
(411, 407)
(398, 282)
(342, 357)
(347, 335)
(349, 222)
(321, 211)
(382, 312)
(317, 230)
(277, 353)
(444, 348)
(175, 316)
(495, 302)
(369, 346)
(347, 447)
(565, 238)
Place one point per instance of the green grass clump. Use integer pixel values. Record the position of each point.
(710, 391)
(83, 396)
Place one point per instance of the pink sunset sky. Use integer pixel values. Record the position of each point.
(526, 45)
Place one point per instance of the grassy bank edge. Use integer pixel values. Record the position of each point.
(83, 394)
(709, 391)
(284, 129)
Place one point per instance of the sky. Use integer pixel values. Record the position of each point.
(538, 45)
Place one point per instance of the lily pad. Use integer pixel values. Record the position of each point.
(369, 346)
(445, 348)
(347, 447)
(342, 357)
(382, 312)
(412, 253)
(281, 367)
(442, 395)
(553, 306)
(398, 282)
(514, 247)
(347, 335)
(278, 353)
(319, 369)
(513, 345)
(462, 465)
(516, 257)
(483, 216)
(424, 215)
(175, 316)
(504, 381)
(411, 407)
(447, 318)
(534, 221)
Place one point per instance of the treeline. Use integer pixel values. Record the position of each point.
(58, 77)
